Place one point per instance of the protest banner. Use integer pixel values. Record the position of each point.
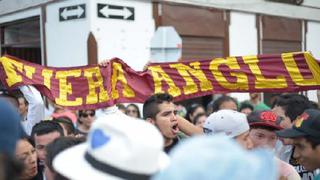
(93, 86)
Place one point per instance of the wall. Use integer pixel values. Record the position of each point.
(20, 15)
(242, 39)
(313, 39)
(8, 6)
(308, 10)
(128, 40)
(311, 3)
(66, 40)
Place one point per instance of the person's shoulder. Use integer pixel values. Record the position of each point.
(284, 165)
(172, 145)
(262, 106)
(287, 170)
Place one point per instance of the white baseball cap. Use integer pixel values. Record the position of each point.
(117, 147)
(228, 122)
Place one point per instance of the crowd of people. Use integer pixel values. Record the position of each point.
(226, 139)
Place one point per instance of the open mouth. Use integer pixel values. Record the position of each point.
(175, 128)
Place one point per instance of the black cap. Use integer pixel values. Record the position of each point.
(264, 118)
(307, 124)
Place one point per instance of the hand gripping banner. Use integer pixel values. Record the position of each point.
(93, 86)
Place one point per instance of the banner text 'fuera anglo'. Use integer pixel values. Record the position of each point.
(90, 87)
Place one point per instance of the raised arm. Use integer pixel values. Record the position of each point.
(188, 128)
(35, 108)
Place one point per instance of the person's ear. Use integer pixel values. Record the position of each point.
(150, 120)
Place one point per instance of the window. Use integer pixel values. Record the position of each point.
(22, 39)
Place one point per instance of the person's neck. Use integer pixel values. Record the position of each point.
(84, 128)
(167, 142)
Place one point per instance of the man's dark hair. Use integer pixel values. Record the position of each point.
(293, 104)
(67, 123)
(150, 106)
(45, 127)
(245, 105)
(313, 141)
(58, 145)
(217, 103)
(314, 105)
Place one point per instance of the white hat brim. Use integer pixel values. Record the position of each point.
(72, 164)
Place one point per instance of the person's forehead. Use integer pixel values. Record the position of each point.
(246, 109)
(46, 138)
(88, 111)
(20, 99)
(166, 106)
(229, 105)
(299, 140)
(131, 107)
(23, 144)
(265, 131)
(229, 102)
(199, 108)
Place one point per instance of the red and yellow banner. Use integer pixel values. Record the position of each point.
(93, 86)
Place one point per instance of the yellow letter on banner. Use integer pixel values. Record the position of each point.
(261, 82)
(295, 74)
(29, 71)
(65, 88)
(158, 76)
(92, 97)
(47, 74)
(191, 86)
(10, 66)
(118, 75)
(232, 63)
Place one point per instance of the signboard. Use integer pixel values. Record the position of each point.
(115, 12)
(72, 12)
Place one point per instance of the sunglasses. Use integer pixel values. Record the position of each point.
(85, 115)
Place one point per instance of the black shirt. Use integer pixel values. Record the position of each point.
(304, 174)
(167, 149)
